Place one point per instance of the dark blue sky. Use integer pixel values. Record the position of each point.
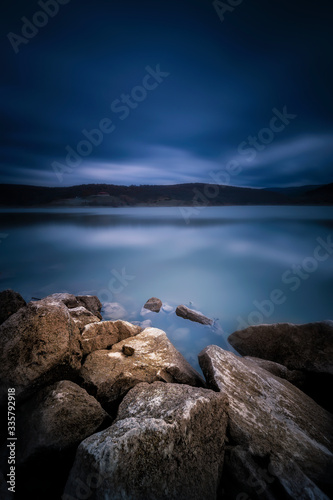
(179, 93)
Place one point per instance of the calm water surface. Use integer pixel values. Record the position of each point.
(227, 262)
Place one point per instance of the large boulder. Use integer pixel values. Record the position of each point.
(10, 303)
(39, 345)
(153, 304)
(103, 335)
(68, 299)
(92, 303)
(308, 348)
(187, 313)
(166, 444)
(57, 418)
(108, 375)
(273, 421)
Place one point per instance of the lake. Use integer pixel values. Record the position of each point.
(237, 265)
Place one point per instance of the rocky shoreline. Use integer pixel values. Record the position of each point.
(108, 410)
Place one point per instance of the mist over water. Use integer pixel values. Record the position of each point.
(237, 265)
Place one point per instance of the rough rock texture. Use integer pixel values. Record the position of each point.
(56, 418)
(272, 419)
(39, 344)
(10, 303)
(92, 303)
(186, 313)
(295, 377)
(108, 375)
(154, 304)
(104, 334)
(68, 299)
(166, 444)
(82, 317)
(308, 348)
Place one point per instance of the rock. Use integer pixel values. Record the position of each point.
(186, 313)
(166, 444)
(153, 304)
(68, 299)
(114, 310)
(57, 418)
(104, 334)
(108, 375)
(295, 377)
(128, 350)
(10, 303)
(273, 421)
(308, 348)
(39, 345)
(92, 303)
(82, 317)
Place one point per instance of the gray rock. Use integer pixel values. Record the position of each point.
(103, 335)
(154, 304)
(82, 316)
(57, 418)
(273, 420)
(10, 303)
(92, 303)
(192, 315)
(166, 444)
(108, 375)
(307, 348)
(68, 299)
(295, 377)
(39, 345)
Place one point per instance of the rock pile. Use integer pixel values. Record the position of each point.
(105, 409)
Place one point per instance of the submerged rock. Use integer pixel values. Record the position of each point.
(192, 315)
(114, 311)
(154, 304)
(10, 303)
(274, 423)
(108, 375)
(166, 444)
(39, 345)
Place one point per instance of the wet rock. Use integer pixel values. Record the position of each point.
(10, 303)
(167, 444)
(103, 335)
(273, 421)
(154, 304)
(108, 375)
(192, 315)
(39, 345)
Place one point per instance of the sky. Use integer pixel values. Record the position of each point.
(146, 92)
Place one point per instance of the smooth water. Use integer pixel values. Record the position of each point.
(237, 265)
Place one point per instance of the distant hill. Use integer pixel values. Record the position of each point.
(196, 194)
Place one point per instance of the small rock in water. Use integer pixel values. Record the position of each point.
(154, 304)
(186, 313)
(128, 350)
